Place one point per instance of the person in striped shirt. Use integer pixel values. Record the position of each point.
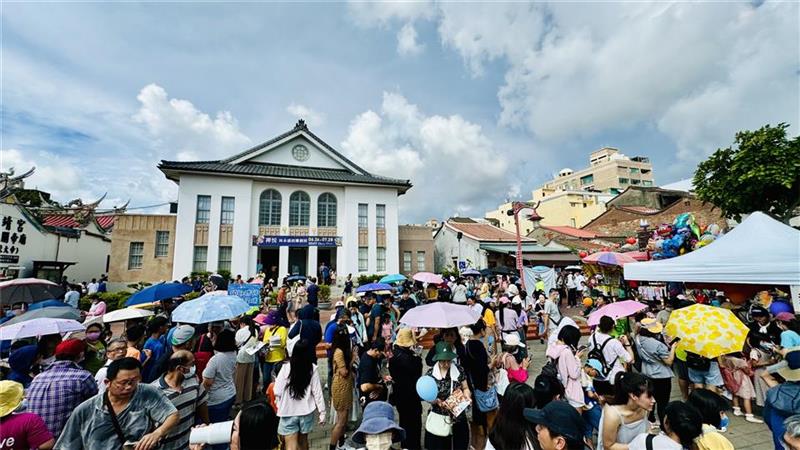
(180, 385)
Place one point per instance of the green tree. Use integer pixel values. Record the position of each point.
(761, 172)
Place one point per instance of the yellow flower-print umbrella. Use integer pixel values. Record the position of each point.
(707, 330)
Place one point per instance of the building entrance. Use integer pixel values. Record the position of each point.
(268, 260)
(326, 255)
(298, 260)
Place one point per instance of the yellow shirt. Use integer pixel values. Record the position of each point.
(711, 439)
(276, 354)
(488, 317)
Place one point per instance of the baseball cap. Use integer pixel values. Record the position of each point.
(784, 316)
(560, 418)
(594, 364)
(758, 311)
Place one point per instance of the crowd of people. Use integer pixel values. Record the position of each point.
(285, 368)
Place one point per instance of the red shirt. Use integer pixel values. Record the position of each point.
(23, 431)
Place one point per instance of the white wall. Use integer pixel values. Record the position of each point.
(446, 247)
(90, 252)
(247, 194)
(282, 154)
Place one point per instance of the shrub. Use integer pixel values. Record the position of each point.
(202, 275)
(226, 274)
(368, 278)
(192, 295)
(114, 300)
(324, 292)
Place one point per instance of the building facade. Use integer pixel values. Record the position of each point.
(284, 207)
(608, 171)
(142, 249)
(416, 249)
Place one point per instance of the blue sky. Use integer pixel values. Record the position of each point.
(474, 102)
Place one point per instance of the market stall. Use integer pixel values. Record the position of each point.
(759, 251)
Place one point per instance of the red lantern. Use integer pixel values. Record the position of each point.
(631, 240)
(583, 254)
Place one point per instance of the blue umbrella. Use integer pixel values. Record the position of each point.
(158, 292)
(470, 273)
(46, 304)
(210, 308)
(291, 278)
(374, 287)
(396, 278)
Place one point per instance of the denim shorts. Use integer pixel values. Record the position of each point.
(296, 424)
(711, 377)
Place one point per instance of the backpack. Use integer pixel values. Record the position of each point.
(550, 368)
(697, 362)
(597, 353)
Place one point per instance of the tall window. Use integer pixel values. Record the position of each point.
(228, 204)
(136, 255)
(363, 259)
(407, 262)
(363, 221)
(200, 258)
(326, 210)
(381, 259)
(623, 181)
(587, 179)
(162, 243)
(420, 261)
(269, 208)
(299, 209)
(203, 208)
(224, 258)
(380, 216)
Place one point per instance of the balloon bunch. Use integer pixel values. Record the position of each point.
(682, 236)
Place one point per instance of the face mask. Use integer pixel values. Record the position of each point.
(379, 441)
(93, 336)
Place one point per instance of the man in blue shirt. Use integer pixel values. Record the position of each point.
(158, 349)
(313, 292)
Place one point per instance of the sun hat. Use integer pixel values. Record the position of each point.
(792, 370)
(338, 304)
(652, 325)
(594, 364)
(70, 347)
(11, 394)
(260, 319)
(516, 301)
(182, 334)
(560, 418)
(273, 317)
(444, 352)
(504, 300)
(378, 418)
(512, 340)
(784, 316)
(405, 338)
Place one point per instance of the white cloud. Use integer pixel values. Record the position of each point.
(380, 13)
(450, 161)
(407, 44)
(180, 128)
(312, 117)
(53, 174)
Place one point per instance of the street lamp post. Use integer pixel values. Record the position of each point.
(516, 208)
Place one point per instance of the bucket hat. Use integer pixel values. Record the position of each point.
(378, 418)
(11, 394)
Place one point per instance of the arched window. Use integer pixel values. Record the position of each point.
(299, 209)
(326, 210)
(269, 208)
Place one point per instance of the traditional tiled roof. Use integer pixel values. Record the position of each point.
(258, 169)
(640, 209)
(484, 232)
(60, 220)
(571, 231)
(105, 222)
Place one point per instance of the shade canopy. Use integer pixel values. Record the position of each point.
(760, 250)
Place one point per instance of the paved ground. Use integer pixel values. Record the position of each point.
(744, 435)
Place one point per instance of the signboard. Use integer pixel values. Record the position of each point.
(251, 293)
(297, 241)
(9, 259)
(462, 266)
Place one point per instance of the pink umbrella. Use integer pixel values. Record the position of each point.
(616, 310)
(609, 258)
(427, 277)
(440, 315)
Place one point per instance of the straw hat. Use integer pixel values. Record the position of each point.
(11, 394)
(405, 338)
(792, 370)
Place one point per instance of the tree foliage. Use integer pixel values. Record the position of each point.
(760, 172)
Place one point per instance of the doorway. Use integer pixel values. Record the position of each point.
(298, 259)
(327, 255)
(268, 261)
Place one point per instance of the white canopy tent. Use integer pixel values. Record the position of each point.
(760, 250)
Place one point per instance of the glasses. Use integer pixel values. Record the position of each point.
(127, 383)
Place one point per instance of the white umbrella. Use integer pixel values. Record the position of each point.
(39, 327)
(126, 314)
(440, 315)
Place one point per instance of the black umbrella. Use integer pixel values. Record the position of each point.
(66, 312)
(291, 278)
(28, 290)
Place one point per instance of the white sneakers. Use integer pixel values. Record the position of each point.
(748, 417)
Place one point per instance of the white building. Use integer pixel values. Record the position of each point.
(284, 206)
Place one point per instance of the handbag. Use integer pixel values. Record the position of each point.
(501, 381)
(486, 400)
(439, 424)
(291, 342)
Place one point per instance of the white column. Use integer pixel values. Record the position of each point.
(372, 239)
(283, 252)
(312, 225)
(392, 237)
(242, 244)
(184, 232)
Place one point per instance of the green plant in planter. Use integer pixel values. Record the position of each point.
(368, 278)
(324, 292)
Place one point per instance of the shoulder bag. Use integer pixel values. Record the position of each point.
(291, 342)
(486, 400)
(440, 424)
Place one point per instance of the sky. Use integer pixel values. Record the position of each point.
(475, 103)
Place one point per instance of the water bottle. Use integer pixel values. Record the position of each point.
(723, 423)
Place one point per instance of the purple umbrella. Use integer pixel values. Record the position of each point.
(427, 277)
(372, 287)
(616, 310)
(609, 259)
(440, 315)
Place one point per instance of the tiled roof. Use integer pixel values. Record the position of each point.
(279, 171)
(571, 231)
(640, 209)
(485, 232)
(60, 220)
(105, 222)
